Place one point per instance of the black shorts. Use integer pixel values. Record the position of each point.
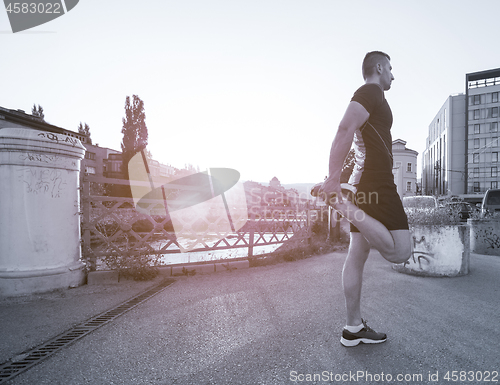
(382, 202)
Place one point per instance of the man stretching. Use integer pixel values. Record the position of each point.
(377, 216)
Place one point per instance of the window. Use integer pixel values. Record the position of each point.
(408, 167)
(494, 172)
(476, 143)
(477, 129)
(494, 97)
(90, 155)
(494, 112)
(494, 142)
(408, 185)
(90, 170)
(494, 127)
(494, 157)
(476, 172)
(477, 187)
(477, 99)
(477, 114)
(494, 184)
(475, 158)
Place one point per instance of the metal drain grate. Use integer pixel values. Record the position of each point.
(25, 361)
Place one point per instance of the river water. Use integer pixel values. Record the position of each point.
(202, 256)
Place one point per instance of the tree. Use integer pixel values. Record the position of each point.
(37, 112)
(135, 132)
(347, 167)
(135, 136)
(84, 130)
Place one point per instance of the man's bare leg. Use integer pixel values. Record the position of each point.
(394, 245)
(352, 277)
(356, 330)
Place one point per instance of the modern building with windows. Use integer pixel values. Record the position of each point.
(482, 146)
(443, 160)
(461, 154)
(404, 168)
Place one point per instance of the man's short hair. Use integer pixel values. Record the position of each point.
(371, 60)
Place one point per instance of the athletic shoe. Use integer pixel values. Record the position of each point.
(365, 336)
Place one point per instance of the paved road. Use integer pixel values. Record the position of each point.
(270, 324)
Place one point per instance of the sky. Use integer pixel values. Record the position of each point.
(257, 86)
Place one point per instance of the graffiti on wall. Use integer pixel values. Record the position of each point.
(493, 241)
(59, 138)
(490, 237)
(40, 158)
(438, 250)
(421, 253)
(48, 159)
(40, 181)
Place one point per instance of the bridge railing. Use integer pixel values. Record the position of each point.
(113, 227)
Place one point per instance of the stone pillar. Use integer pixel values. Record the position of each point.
(39, 203)
(485, 236)
(438, 251)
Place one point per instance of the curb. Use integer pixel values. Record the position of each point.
(101, 277)
(109, 276)
(205, 268)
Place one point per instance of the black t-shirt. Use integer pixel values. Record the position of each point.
(373, 141)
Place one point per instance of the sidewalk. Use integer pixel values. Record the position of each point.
(29, 320)
(264, 325)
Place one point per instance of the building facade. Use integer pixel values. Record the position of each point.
(404, 168)
(95, 161)
(483, 115)
(461, 154)
(98, 161)
(113, 168)
(20, 119)
(443, 160)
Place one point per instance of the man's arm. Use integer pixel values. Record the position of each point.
(354, 117)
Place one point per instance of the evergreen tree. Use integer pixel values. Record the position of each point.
(84, 130)
(135, 132)
(38, 112)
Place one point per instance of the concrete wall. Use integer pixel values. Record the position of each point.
(485, 236)
(438, 251)
(39, 202)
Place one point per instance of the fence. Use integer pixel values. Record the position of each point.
(113, 228)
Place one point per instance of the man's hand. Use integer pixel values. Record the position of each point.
(330, 192)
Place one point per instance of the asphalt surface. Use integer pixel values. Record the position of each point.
(277, 324)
